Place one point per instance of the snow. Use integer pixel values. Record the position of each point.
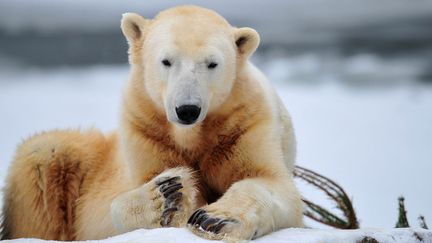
(174, 235)
(373, 140)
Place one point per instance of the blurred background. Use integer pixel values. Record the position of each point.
(355, 75)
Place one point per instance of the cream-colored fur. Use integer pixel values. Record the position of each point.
(142, 207)
(234, 165)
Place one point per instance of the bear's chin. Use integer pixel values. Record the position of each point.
(182, 125)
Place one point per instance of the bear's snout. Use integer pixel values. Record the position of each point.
(188, 114)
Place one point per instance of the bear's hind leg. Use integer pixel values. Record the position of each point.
(43, 186)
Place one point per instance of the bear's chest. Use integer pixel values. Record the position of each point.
(213, 154)
(213, 161)
(217, 163)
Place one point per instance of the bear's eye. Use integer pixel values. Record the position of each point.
(212, 65)
(166, 63)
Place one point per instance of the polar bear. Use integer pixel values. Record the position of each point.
(204, 142)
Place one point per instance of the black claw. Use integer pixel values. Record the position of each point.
(175, 197)
(167, 211)
(165, 221)
(169, 204)
(201, 218)
(167, 216)
(218, 226)
(166, 179)
(167, 186)
(193, 217)
(209, 222)
(172, 189)
(173, 200)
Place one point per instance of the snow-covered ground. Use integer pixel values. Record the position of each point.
(375, 141)
(173, 235)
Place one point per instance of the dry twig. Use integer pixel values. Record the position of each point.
(336, 193)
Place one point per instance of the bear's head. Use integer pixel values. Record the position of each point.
(188, 59)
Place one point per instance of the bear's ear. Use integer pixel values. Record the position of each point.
(133, 26)
(246, 40)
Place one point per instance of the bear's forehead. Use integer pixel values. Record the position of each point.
(189, 32)
(192, 13)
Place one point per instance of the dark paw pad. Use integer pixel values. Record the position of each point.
(201, 220)
(169, 187)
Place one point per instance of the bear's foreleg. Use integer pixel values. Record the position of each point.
(249, 209)
(260, 195)
(165, 201)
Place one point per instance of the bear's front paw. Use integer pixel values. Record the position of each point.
(167, 200)
(221, 224)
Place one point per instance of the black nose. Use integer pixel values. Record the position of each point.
(188, 114)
